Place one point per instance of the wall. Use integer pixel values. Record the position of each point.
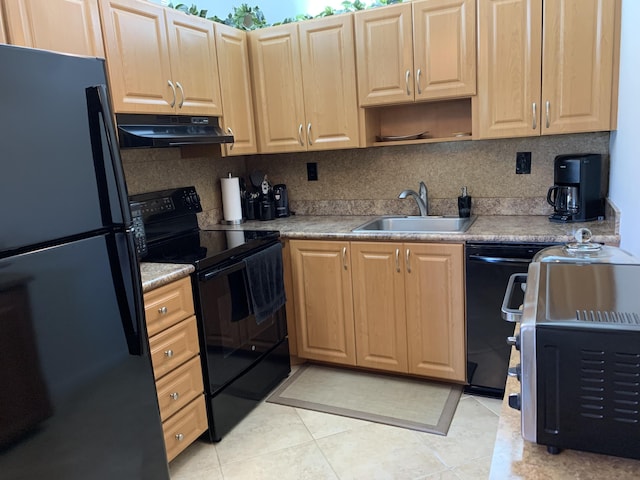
(153, 169)
(368, 181)
(625, 154)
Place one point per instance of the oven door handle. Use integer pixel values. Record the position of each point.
(512, 314)
(221, 271)
(499, 260)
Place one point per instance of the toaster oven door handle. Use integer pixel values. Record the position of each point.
(512, 314)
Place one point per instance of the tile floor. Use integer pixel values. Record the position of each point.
(285, 443)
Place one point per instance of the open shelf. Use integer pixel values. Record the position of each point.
(444, 121)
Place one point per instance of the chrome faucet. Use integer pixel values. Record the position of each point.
(420, 198)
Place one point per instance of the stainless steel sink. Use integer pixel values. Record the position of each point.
(429, 224)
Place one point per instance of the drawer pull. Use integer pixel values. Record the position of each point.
(163, 310)
(168, 353)
(179, 437)
(174, 395)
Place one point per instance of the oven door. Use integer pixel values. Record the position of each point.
(232, 338)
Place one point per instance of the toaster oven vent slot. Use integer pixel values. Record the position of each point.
(610, 386)
(626, 318)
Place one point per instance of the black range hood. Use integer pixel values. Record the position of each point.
(156, 131)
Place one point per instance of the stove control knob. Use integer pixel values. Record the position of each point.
(515, 371)
(514, 341)
(514, 401)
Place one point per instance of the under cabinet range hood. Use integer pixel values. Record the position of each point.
(156, 131)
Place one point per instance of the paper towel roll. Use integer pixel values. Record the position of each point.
(231, 207)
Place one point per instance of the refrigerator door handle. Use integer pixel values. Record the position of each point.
(98, 103)
(130, 300)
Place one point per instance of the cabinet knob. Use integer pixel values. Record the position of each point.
(163, 310)
(174, 395)
(179, 437)
(168, 353)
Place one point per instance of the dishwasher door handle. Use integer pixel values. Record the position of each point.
(512, 314)
(498, 260)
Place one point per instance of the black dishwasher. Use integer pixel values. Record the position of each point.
(489, 266)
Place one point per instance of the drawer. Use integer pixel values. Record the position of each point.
(167, 305)
(185, 427)
(179, 387)
(174, 346)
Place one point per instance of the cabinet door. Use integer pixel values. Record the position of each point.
(379, 305)
(3, 36)
(577, 65)
(384, 55)
(444, 48)
(67, 26)
(235, 84)
(277, 83)
(509, 68)
(290, 305)
(194, 64)
(137, 52)
(434, 287)
(329, 79)
(323, 300)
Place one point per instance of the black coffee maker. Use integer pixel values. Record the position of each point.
(577, 195)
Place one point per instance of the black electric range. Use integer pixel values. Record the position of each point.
(167, 232)
(243, 341)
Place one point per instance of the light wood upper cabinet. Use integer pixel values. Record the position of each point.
(379, 305)
(416, 51)
(277, 83)
(194, 63)
(235, 85)
(577, 65)
(569, 44)
(444, 48)
(159, 60)
(329, 80)
(323, 300)
(436, 310)
(304, 85)
(67, 26)
(384, 55)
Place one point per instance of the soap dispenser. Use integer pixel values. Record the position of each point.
(464, 204)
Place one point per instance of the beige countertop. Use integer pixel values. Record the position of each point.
(154, 275)
(498, 228)
(516, 458)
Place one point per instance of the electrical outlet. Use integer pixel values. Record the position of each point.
(523, 162)
(312, 171)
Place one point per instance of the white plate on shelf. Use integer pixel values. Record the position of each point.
(395, 138)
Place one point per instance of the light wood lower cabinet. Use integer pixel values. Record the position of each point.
(323, 301)
(175, 355)
(397, 306)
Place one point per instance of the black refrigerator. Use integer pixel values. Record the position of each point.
(77, 393)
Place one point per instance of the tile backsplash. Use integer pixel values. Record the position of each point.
(368, 181)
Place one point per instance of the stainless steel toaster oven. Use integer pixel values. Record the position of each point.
(579, 344)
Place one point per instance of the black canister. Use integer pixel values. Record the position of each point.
(464, 204)
(267, 210)
(281, 198)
